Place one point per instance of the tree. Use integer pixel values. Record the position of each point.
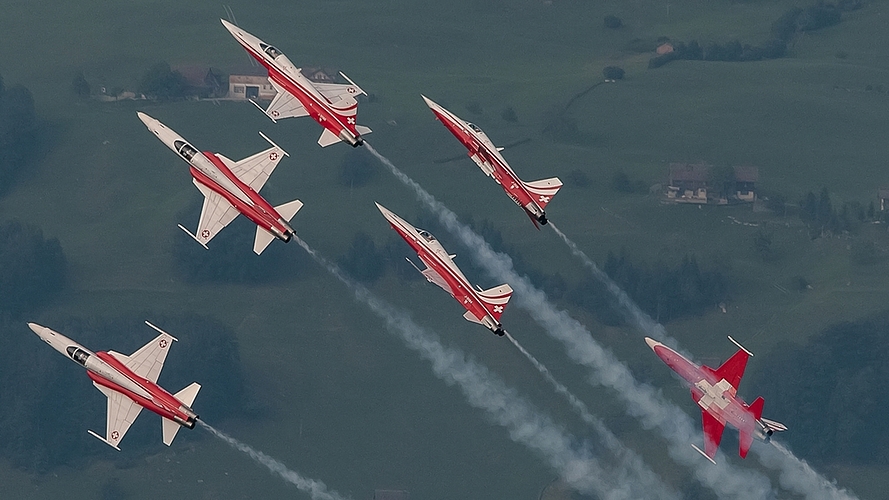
(357, 168)
(613, 73)
(613, 22)
(18, 132)
(363, 261)
(509, 115)
(79, 85)
(162, 83)
(32, 268)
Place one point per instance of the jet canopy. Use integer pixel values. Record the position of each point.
(473, 127)
(185, 150)
(77, 354)
(271, 51)
(426, 235)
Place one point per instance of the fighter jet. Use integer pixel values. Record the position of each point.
(715, 392)
(332, 105)
(230, 188)
(130, 383)
(531, 196)
(482, 306)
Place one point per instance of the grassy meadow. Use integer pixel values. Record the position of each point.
(343, 401)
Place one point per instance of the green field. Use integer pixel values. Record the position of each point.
(347, 403)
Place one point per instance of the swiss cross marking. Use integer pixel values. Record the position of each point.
(205, 233)
(513, 185)
(273, 156)
(498, 309)
(545, 199)
(275, 113)
(162, 343)
(351, 90)
(351, 120)
(115, 435)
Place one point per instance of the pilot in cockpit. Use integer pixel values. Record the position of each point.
(185, 150)
(473, 127)
(271, 51)
(426, 235)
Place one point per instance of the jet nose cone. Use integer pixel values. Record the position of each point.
(36, 328)
(229, 26)
(651, 342)
(147, 120)
(383, 210)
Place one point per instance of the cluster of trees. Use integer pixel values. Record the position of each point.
(357, 168)
(44, 422)
(822, 218)
(830, 392)
(622, 183)
(18, 131)
(665, 293)
(162, 83)
(793, 21)
(733, 51)
(231, 259)
(32, 269)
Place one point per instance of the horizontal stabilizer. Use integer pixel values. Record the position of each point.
(745, 440)
(288, 210)
(186, 396)
(470, 317)
(361, 129)
(327, 138)
(262, 240)
(170, 428)
(756, 407)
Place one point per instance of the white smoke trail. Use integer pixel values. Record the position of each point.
(485, 391)
(316, 489)
(641, 399)
(796, 474)
(635, 313)
(630, 458)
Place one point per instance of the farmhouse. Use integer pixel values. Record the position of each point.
(202, 81)
(696, 183)
(687, 182)
(254, 83)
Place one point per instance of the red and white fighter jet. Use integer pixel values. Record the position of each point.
(130, 383)
(482, 306)
(231, 188)
(531, 196)
(332, 105)
(715, 391)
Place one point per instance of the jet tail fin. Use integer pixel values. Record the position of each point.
(288, 210)
(468, 316)
(756, 407)
(544, 190)
(495, 299)
(361, 129)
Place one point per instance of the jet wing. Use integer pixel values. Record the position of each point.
(284, 105)
(713, 429)
(148, 361)
(122, 412)
(256, 170)
(335, 92)
(433, 277)
(733, 369)
(215, 214)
